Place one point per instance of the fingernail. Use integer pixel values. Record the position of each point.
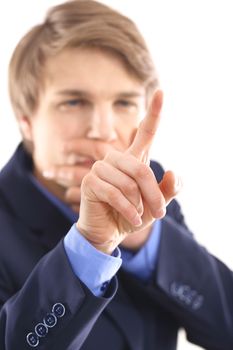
(137, 221)
(49, 174)
(140, 210)
(160, 213)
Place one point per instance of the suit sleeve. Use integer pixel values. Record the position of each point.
(195, 287)
(53, 309)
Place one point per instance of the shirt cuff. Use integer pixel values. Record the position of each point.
(142, 264)
(94, 268)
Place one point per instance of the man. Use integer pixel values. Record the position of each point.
(80, 85)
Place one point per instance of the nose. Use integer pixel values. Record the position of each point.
(102, 125)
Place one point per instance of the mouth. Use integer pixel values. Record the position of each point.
(75, 159)
(87, 162)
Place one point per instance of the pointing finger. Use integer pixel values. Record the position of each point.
(147, 128)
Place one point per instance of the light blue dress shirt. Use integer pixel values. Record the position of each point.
(94, 268)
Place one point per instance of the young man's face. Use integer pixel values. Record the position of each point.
(87, 95)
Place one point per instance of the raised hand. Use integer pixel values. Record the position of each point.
(120, 194)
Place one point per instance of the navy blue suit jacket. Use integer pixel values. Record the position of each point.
(189, 288)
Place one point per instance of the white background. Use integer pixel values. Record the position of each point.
(191, 41)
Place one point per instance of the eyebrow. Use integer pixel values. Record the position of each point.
(82, 93)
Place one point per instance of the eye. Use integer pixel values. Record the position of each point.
(73, 104)
(76, 102)
(124, 103)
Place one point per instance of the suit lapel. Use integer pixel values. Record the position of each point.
(38, 214)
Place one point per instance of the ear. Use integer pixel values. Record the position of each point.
(25, 127)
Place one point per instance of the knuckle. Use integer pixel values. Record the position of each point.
(113, 195)
(142, 171)
(87, 180)
(130, 188)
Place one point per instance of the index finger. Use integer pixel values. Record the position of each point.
(147, 128)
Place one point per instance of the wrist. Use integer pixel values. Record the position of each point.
(106, 247)
(137, 240)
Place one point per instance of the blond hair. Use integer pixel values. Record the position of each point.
(73, 24)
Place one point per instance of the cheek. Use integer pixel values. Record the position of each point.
(49, 140)
(66, 127)
(47, 149)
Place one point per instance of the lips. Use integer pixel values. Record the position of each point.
(88, 162)
(74, 159)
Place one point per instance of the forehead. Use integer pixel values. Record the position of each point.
(89, 69)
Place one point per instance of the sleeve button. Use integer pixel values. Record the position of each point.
(198, 302)
(104, 287)
(58, 310)
(50, 320)
(32, 339)
(41, 330)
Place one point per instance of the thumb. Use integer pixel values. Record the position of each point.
(170, 186)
